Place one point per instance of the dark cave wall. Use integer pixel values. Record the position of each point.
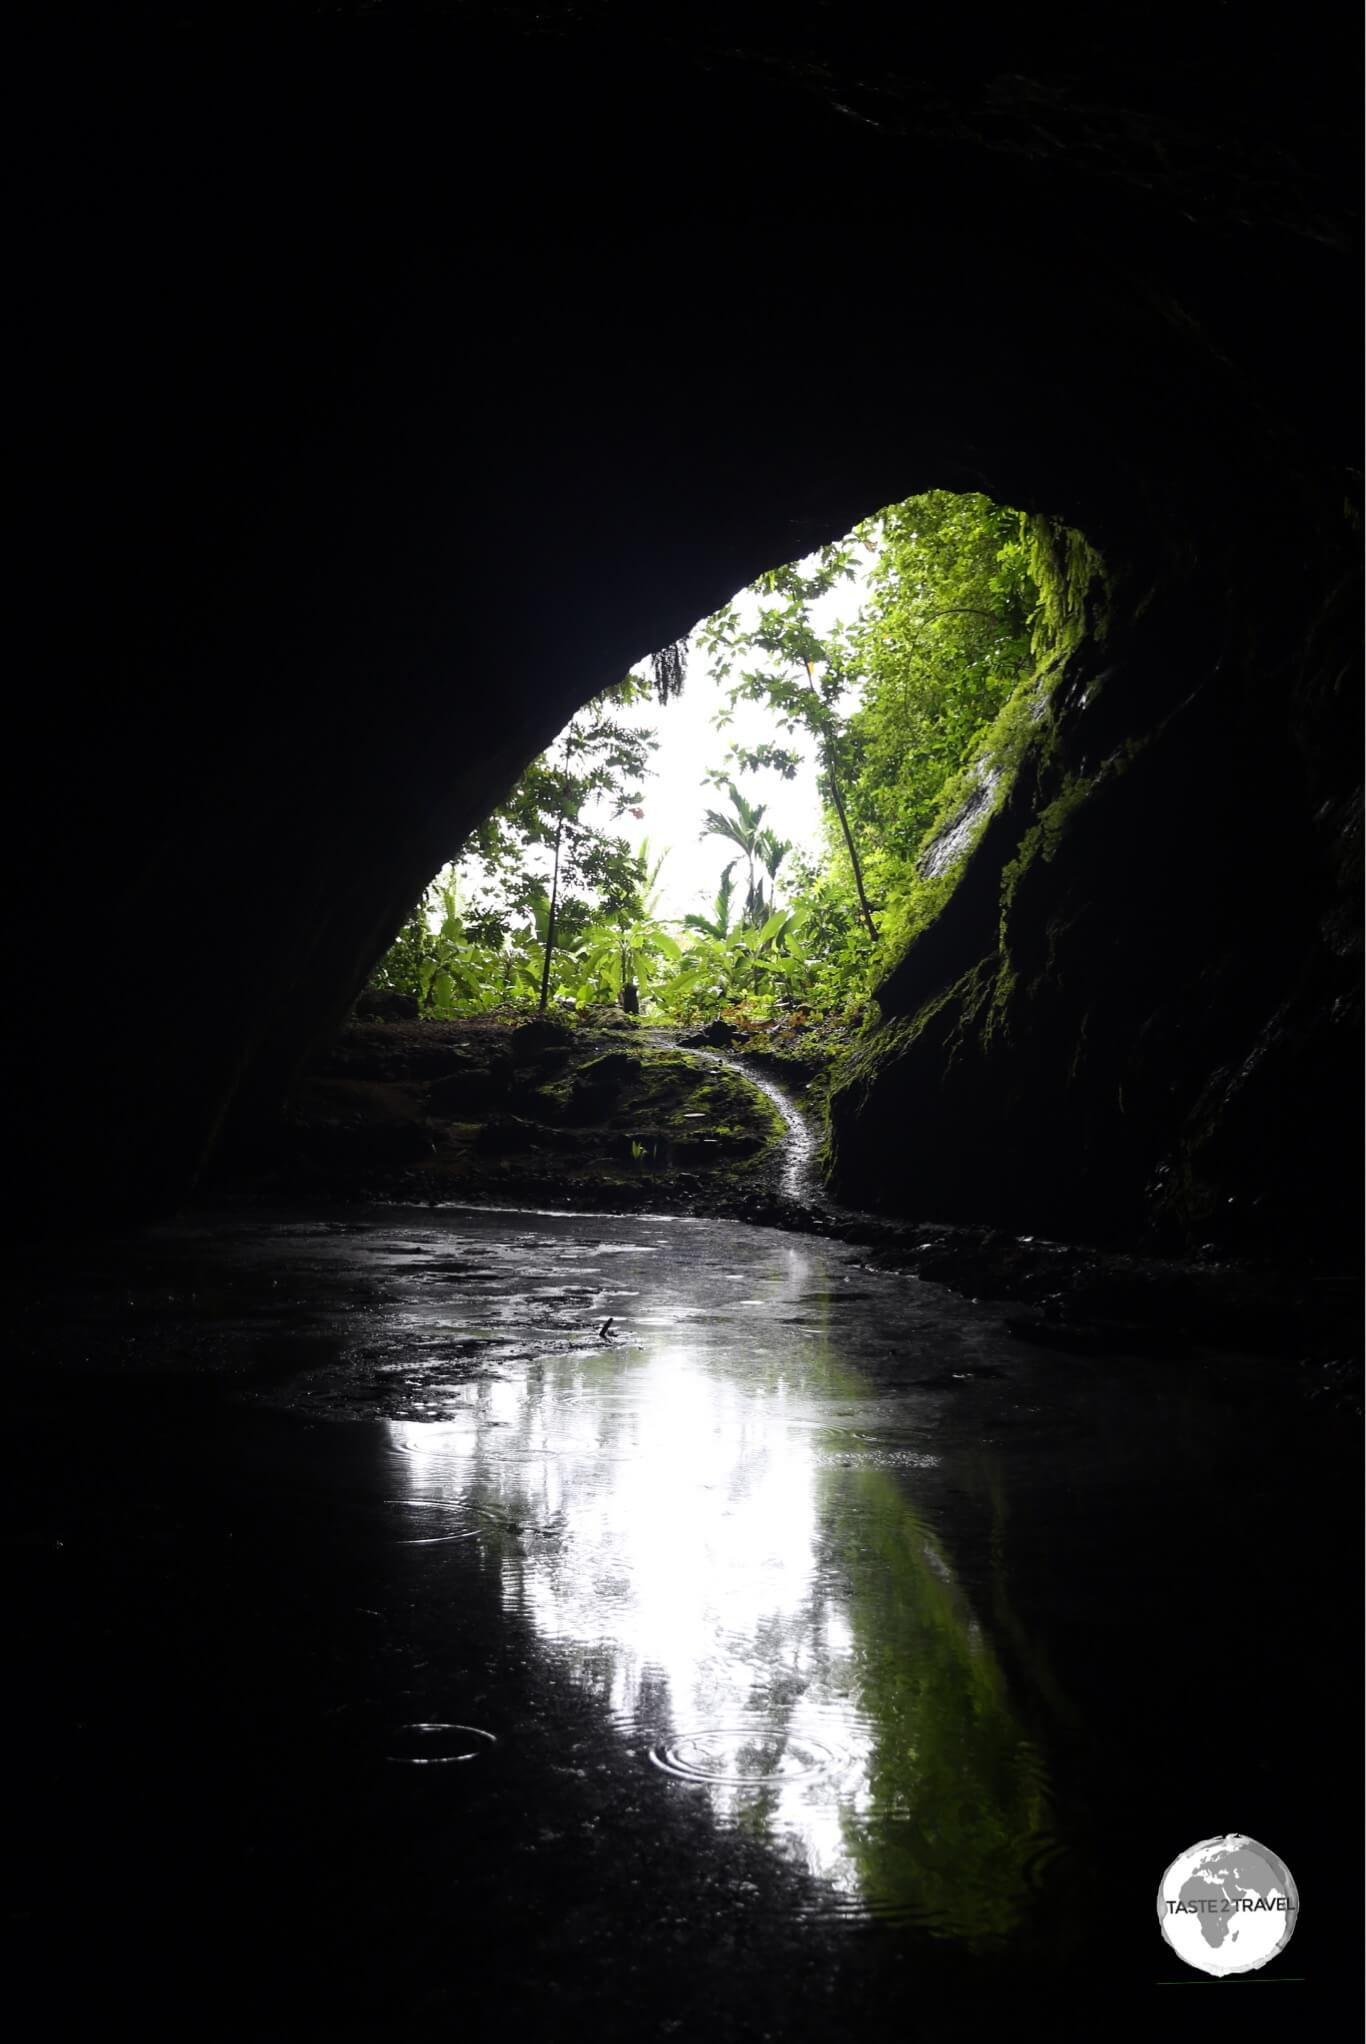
(1138, 1018)
(383, 393)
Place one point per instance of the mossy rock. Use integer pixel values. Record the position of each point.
(472, 1090)
(507, 1136)
(352, 1146)
(654, 1147)
(614, 1019)
(545, 1032)
(540, 1103)
(611, 1071)
(548, 1063)
(384, 1006)
(546, 1113)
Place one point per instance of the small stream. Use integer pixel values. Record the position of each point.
(799, 1174)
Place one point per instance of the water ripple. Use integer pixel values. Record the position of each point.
(432, 1744)
(742, 1755)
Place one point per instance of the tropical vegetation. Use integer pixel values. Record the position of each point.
(914, 709)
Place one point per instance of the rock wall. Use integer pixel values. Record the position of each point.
(379, 394)
(1137, 1019)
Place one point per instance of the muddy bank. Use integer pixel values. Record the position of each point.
(599, 1117)
(613, 1117)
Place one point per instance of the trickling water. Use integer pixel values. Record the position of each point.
(800, 1177)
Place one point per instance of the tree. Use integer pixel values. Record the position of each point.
(596, 761)
(942, 642)
(923, 699)
(742, 827)
(532, 879)
(629, 949)
(772, 851)
(916, 708)
(801, 679)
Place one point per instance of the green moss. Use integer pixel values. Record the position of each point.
(1074, 589)
(1041, 840)
(994, 1022)
(1023, 727)
(1050, 827)
(973, 1014)
(615, 1068)
(685, 1098)
(1073, 607)
(972, 996)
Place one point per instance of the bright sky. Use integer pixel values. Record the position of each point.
(689, 745)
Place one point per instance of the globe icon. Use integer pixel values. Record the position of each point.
(1227, 1905)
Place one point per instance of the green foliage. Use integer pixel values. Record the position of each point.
(763, 851)
(762, 970)
(800, 677)
(1073, 588)
(917, 712)
(970, 1815)
(718, 924)
(943, 647)
(543, 903)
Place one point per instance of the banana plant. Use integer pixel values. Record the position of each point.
(615, 956)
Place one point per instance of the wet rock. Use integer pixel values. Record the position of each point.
(614, 1019)
(506, 1136)
(386, 1007)
(1335, 1383)
(786, 1066)
(473, 1089)
(547, 1063)
(359, 1145)
(717, 1035)
(385, 1051)
(538, 1103)
(651, 1149)
(700, 1149)
(611, 1071)
(708, 1146)
(553, 1124)
(1100, 1338)
(540, 1034)
(599, 1085)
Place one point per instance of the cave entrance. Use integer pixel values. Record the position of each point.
(748, 830)
(638, 977)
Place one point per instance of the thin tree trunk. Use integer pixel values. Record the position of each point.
(550, 919)
(833, 777)
(863, 901)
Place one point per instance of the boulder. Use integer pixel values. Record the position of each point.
(717, 1035)
(384, 1006)
(543, 1033)
(471, 1090)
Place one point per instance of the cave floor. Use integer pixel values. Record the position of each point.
(534, 1624)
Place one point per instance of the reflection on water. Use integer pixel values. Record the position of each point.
(702, 1536)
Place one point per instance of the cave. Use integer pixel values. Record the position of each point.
(387, 386)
